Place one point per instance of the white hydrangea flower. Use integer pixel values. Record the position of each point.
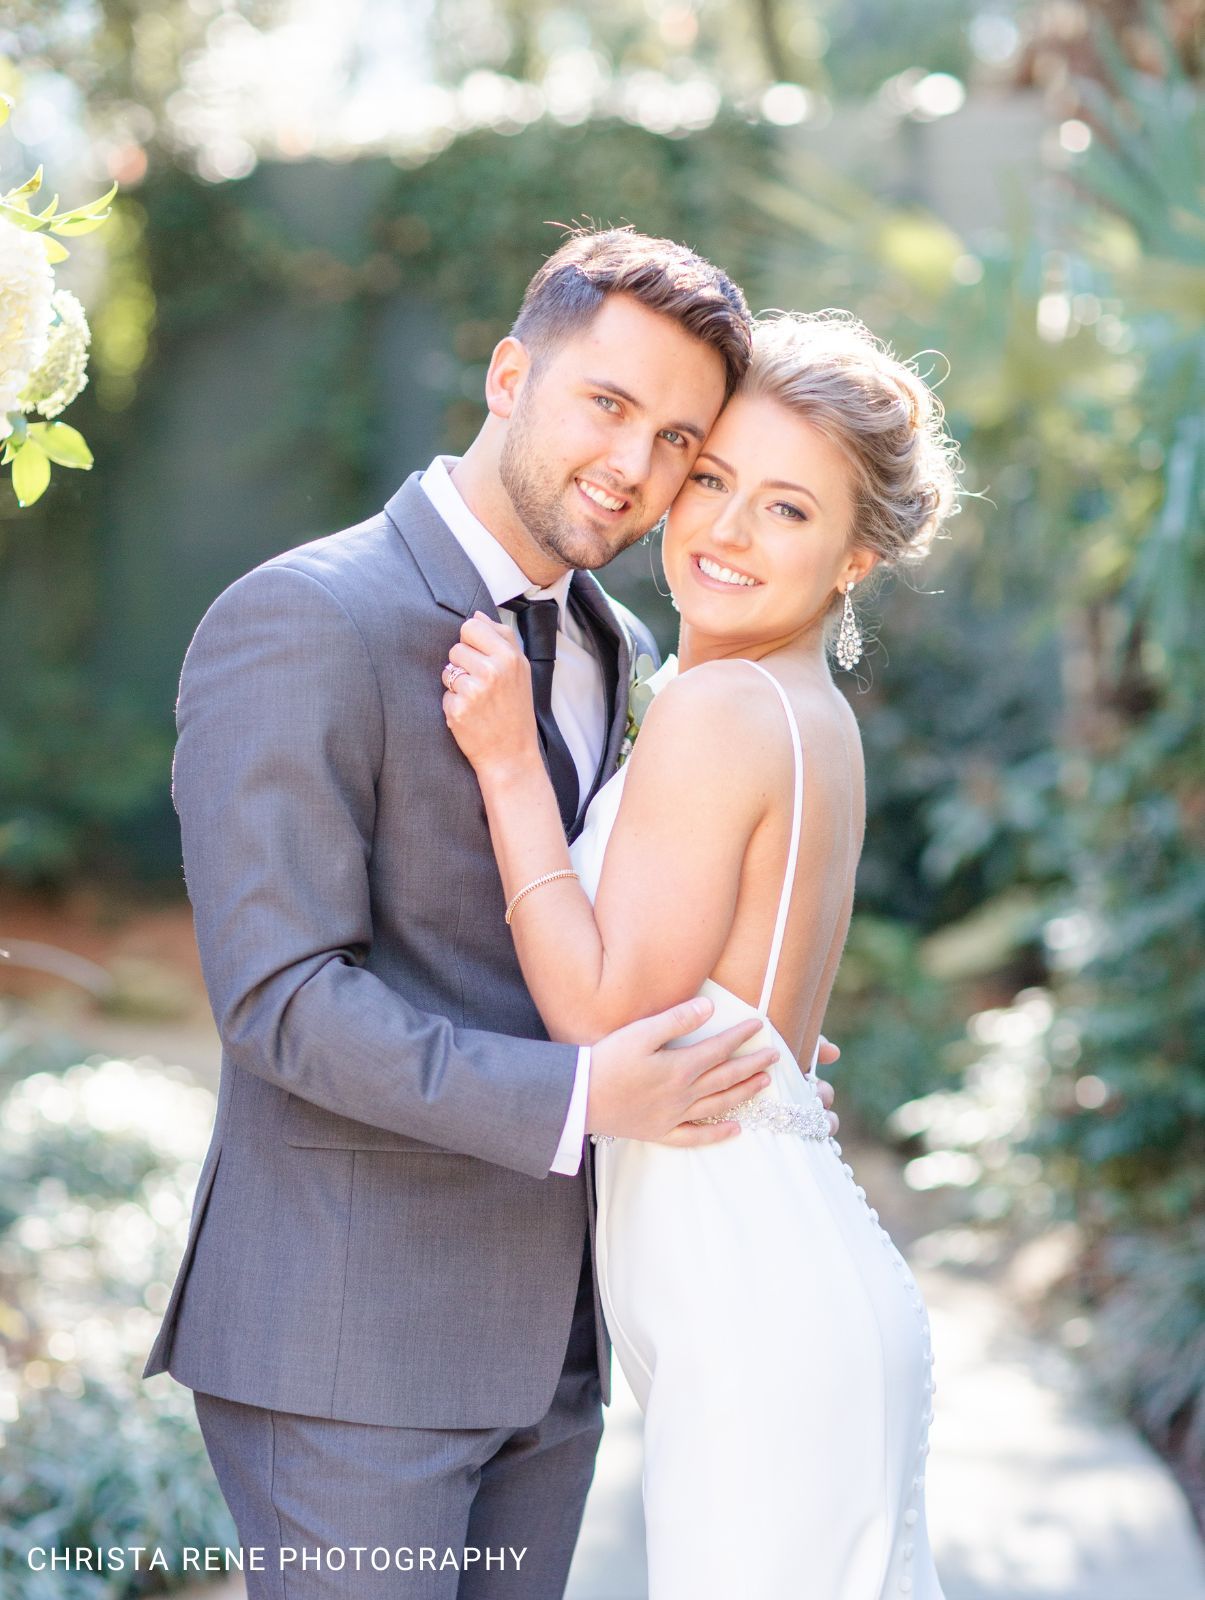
(63, 370)
(26, 310)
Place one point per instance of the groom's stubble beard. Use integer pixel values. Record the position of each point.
(538, 501)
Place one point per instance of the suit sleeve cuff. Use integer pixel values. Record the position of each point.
(568, 1158)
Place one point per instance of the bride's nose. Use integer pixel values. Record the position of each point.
(731, 527)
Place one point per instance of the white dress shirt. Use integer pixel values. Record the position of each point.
(578, 701)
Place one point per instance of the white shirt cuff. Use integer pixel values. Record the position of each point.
(568, 1158)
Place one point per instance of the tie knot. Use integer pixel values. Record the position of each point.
(537, 623)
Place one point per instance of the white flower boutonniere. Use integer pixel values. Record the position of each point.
(646, 681)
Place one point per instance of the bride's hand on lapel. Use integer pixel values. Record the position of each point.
(487, 701)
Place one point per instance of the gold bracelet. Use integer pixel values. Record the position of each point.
(536, 883)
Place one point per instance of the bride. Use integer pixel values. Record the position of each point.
(774, 1336)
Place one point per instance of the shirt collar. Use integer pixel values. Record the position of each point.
(500, 572)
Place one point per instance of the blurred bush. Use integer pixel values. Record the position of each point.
(98, 1161)
(74, 765)
(106, 1468)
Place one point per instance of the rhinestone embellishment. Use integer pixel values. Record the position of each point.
(776, 1116)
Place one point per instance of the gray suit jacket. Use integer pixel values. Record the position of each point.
(375, 1235)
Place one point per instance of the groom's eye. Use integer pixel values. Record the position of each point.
(675, 438)
(606, 402)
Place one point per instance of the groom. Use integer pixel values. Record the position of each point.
(387, 1308)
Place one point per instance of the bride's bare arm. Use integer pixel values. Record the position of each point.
(707, 761)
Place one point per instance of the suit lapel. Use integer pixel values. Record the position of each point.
(458, 587)
(615, 651)
(453, 580)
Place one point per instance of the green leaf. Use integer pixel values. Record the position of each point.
(19, 216)
(55, 252)
(64, 445)
(31, 473)
(48, 211)
(69, 226)
(6, 106)
(30, 186)
(93, 206)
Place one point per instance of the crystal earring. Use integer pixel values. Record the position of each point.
(849, 640)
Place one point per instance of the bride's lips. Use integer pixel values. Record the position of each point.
(721, 583)
(607, 512)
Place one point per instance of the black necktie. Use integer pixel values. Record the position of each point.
(537, 623)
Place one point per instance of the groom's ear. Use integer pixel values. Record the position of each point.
(508, 371)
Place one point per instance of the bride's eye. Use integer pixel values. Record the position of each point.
(708, 480)
(793, 513)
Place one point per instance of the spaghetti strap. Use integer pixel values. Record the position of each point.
(784, 902)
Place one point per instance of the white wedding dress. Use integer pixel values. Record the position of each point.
(773, 1335)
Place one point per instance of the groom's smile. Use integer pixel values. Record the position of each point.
(610, 503)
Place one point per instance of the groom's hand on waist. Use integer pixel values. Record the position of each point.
(641, 1088)
(829, 1053)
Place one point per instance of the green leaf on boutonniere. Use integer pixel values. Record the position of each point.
(640, 698)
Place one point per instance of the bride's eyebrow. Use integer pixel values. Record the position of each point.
(795, 488)
(775, 483)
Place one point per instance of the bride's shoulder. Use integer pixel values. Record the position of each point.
(717, 707)
(714, 688)
(728, 708)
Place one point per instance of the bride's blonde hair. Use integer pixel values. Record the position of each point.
(828, 367)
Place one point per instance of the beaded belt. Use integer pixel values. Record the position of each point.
(775, 1116)
(778, 1116)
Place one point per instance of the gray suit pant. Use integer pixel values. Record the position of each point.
(308, 1484)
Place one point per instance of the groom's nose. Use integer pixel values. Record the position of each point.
(630, 458)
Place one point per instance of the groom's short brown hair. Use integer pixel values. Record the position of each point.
(570, 287)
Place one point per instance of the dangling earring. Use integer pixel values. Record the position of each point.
(659, 528)
(849, 640)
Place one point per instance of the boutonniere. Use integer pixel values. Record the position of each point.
(640, 698)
